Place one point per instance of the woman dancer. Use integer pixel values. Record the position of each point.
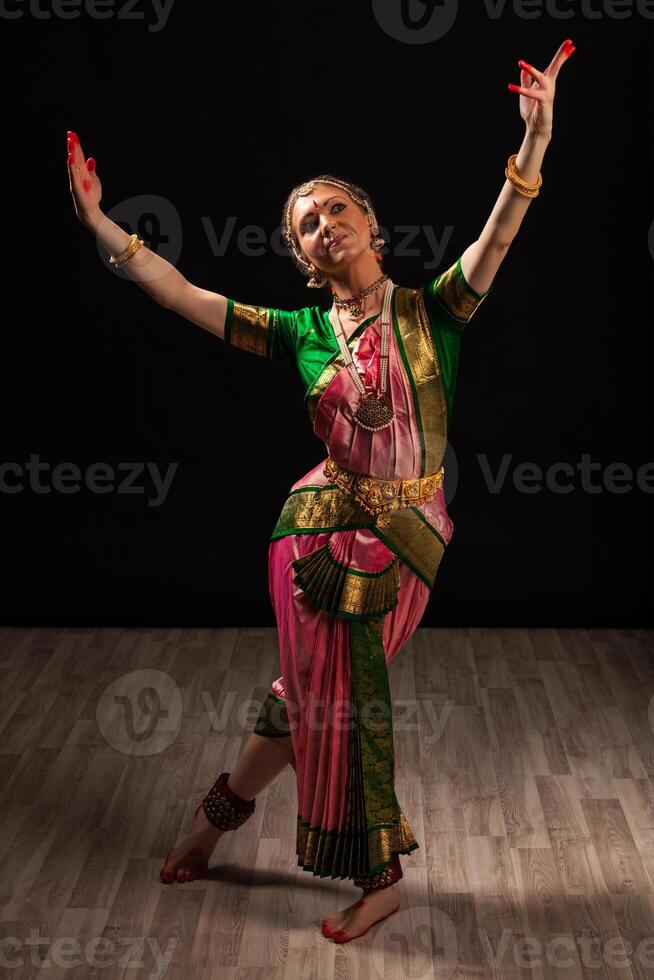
(357, 546)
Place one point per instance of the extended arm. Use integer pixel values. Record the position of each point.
(481, 260)
(154, 274)
(161, 280)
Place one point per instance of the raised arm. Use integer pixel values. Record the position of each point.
(481, 260)
(154, 274)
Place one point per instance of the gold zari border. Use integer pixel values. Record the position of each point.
(320, 508)
(250, 329)
(425, 376)
(407, 533)
(346, 592)
(455, 295)
(318, 849)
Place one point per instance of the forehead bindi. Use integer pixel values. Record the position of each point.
(316, 203)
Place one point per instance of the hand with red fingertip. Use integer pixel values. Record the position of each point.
(83, 180)
(537, 90)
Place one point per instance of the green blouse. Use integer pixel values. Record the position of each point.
(306, 339)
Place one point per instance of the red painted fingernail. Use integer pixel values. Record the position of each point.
(90, 165)
(514, 88)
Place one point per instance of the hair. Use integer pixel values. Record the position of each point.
(354, 192)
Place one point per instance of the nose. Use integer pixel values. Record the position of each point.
(326, 222)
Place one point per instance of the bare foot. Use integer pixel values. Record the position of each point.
(190, 859)
(357, 919)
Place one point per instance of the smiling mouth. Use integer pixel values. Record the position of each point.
(335, 242)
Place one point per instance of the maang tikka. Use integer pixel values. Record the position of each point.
(317, 279)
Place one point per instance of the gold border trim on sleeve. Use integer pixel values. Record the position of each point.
(250, 329)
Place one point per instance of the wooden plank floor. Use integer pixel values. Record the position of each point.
(524, 759)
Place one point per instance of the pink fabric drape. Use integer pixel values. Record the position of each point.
(314, 645)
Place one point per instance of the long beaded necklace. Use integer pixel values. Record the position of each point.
(374, 411)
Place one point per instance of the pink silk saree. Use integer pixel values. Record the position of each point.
(348, 589)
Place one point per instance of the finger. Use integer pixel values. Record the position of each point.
(538, 75)
(74, 154)
(561, 56)
(75, 151)
(531, 93)
(526, 80)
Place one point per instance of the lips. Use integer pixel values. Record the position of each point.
(338, 239)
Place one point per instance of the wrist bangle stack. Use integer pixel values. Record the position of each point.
(528, 190)
(134, 245)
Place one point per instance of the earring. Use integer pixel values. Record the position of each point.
(317, 279)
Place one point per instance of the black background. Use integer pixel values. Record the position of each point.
(220, 113)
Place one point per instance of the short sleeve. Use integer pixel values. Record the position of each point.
(450, 303)
(450, 300)
(261, 330)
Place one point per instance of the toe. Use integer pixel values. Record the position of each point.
(166, 873)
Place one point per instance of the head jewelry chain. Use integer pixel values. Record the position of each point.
(356, 194)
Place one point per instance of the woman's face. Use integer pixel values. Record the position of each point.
(324, 216)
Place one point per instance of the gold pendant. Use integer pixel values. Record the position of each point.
(374, 412)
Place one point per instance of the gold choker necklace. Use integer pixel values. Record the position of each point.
(354, 303)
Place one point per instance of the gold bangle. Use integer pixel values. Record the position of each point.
(134, 245)
(527, 190)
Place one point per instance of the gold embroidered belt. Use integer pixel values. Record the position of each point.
(378, 496)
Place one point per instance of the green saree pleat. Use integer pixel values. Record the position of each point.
(375, 826)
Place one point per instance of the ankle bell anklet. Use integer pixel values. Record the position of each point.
(224, 808)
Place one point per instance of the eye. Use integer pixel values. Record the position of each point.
(311, 221)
